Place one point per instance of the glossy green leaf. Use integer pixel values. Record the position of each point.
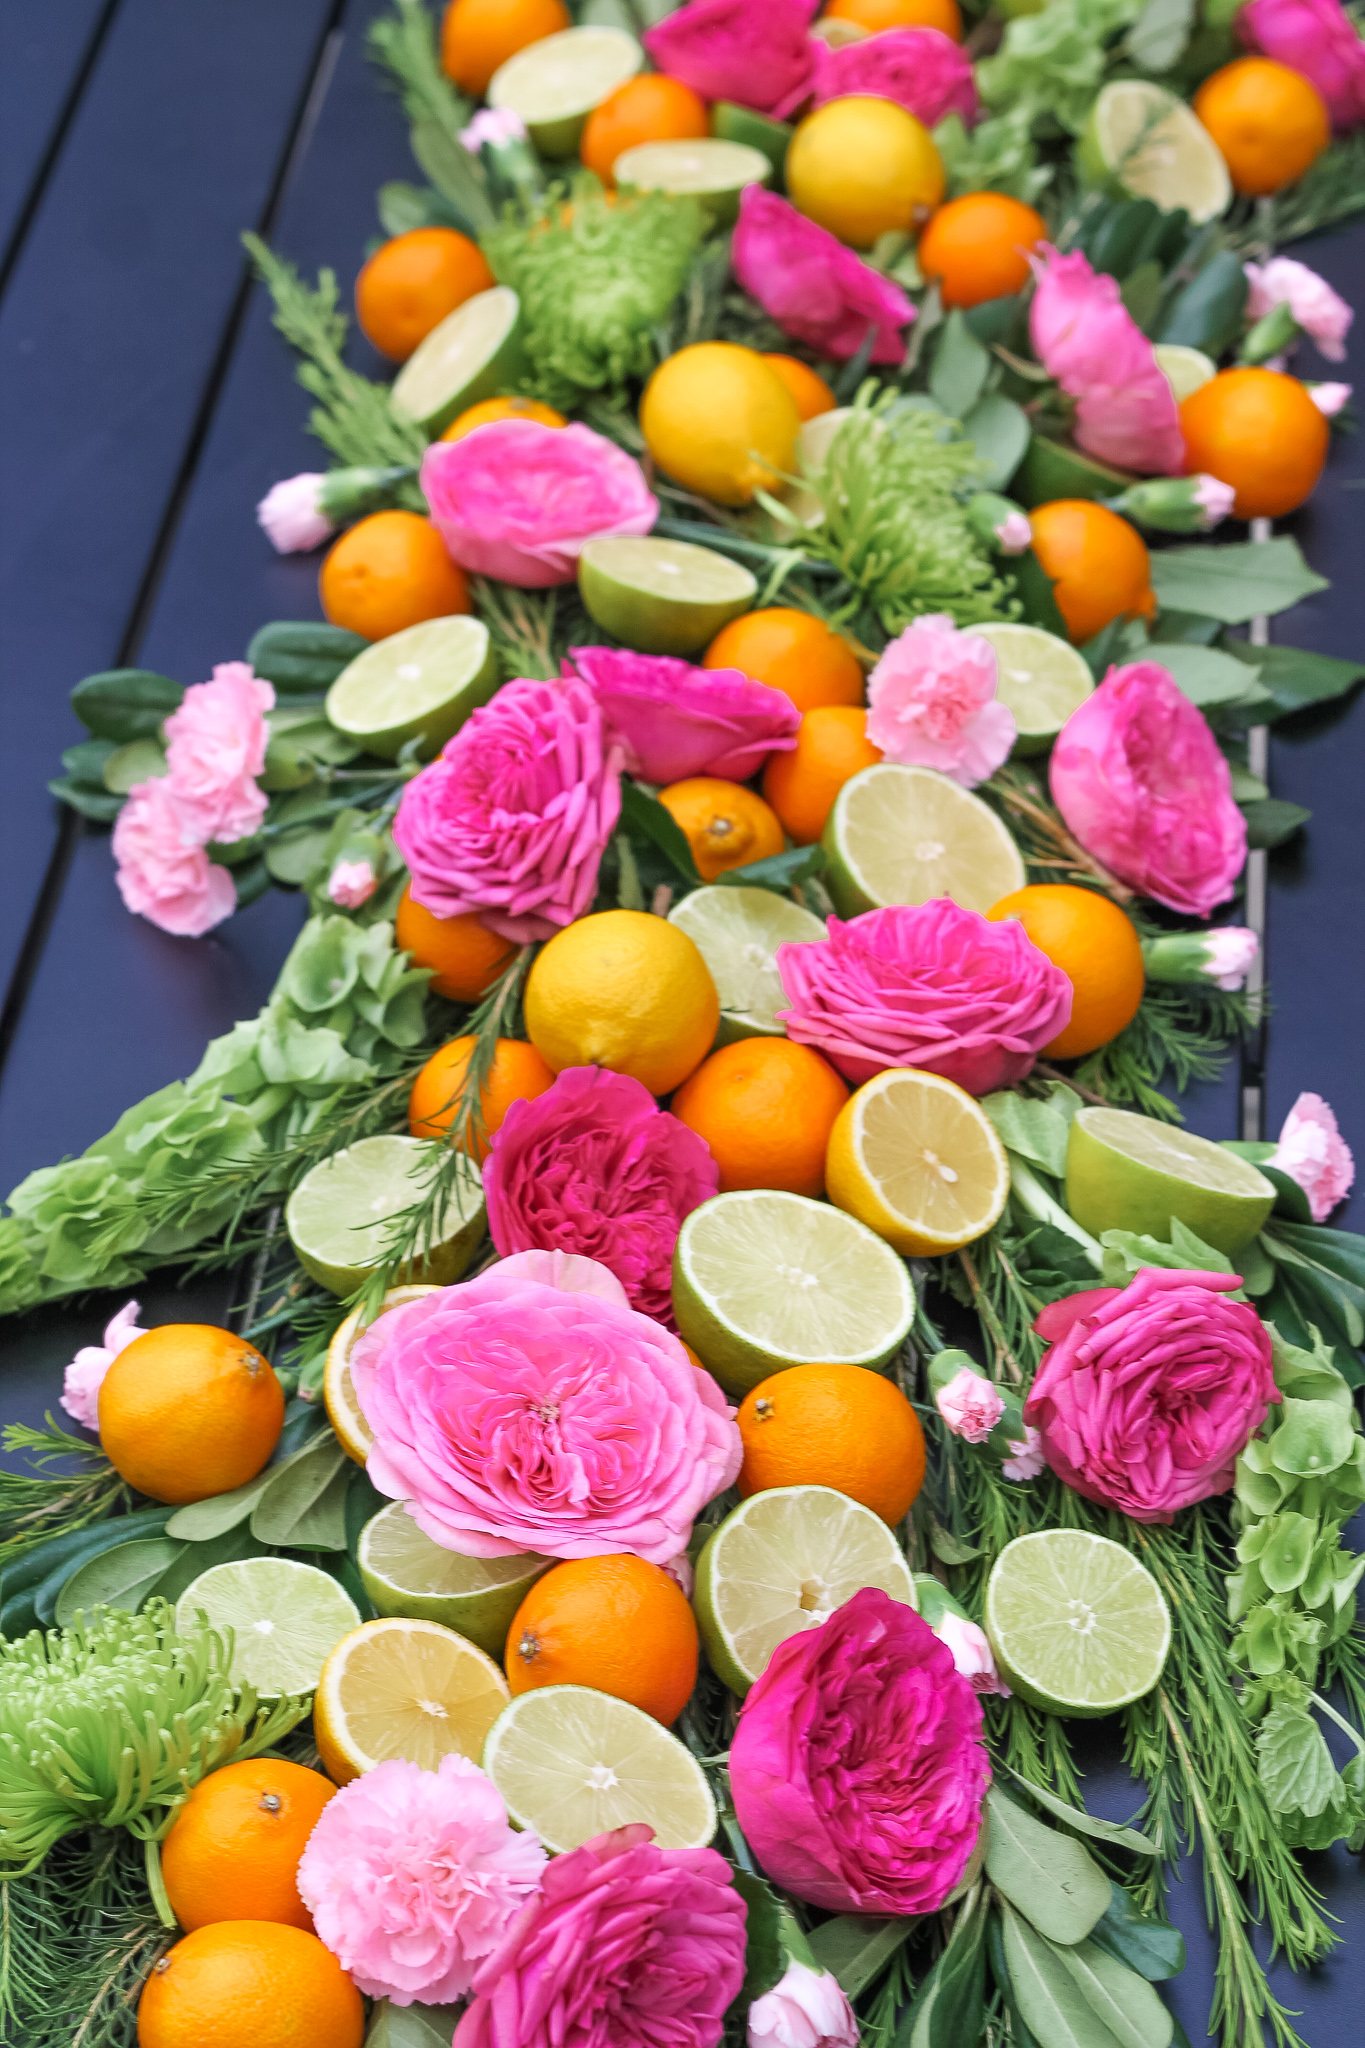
(1153, 1948)
(1110, 1831)
(1271, 820)
(1234, 580)
(1208, 676)
(1049, 1999)
(948, 2009)
(136, 761)
(779, 871)
(1048, 1876)
(195, 1558)
(644, 816)
(1033, 587)
(123, 704)
(1208, 313)
(1120, 1999)
(854, 1947)
(101, 805)
(765, 1956)
(1037, 1130)
(303, 656)
(1297, 679)
(122, 1577)
(301, 1506)
(959, 368)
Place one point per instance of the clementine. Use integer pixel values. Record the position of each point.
(249, 1984)
(833, 1425)
(234, 1846)
(801, 786)
(1098, 950)
(490, 409)
(1098, 563)
(1259, 431)
(977, 247)
(467, 957)
(813, 396)
(188, 1410)
(615, 1623)
(725, 824)
(790, 651)
(765, 1107)
(1269, 122)
(518, 1074)
(875, 15)
(412, 283)
(648, 108)
(479, 35)
(390, 571)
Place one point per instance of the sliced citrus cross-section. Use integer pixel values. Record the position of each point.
(1130, 1172)
(662, 596)
(406, 1688)
(554, 84)
(1148, 143)
(917, 1159)
(476, 352)
(711, 169)
(737, 932)
(341, 1216)
(1078, 1626)
(1040, 678)
(906, 835)
(420, 684)
(405, 1573)
(338, 1388)
(285, 1618)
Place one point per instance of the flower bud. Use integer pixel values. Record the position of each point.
(1329, 398)
(1176, 504)
(497, 137)
(999, 523)
(806, 2008)
(1223, 956)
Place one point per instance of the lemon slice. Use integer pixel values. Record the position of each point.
(555, 83)
(906, 835)
(405, 1573)
(1078, 1626)
(285, 1619)
(1148, 143)
(338, 1388)
(737, 932)
(781, 1564)
(709, 168)
(340, 1217)
(404, 1688)
(662, 596)
(420, 684)
(917, 1159)
(1185, 369)
(475, 352)
(1040, 678)
(573, 1763)
(1130, 1172)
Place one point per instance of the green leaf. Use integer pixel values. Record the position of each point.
(411, 2026)
(1120, 1999)
(645, 816)
(302, 1508)
(302, 656)
(450, 168)
(123, 704)
(1050, 2001)
(293, 856)
(1208, 312)
(1157, 39)
(1142, 293)
(1286, 1551)
(87, 761)
(1208, 676)
(1271, 821)
(947, 2012)
(765, 1955)
(195, 1558)
(91, 803)
(1033, 587)
(403, 207)
(122, 1577)
(778, 871)
(1037, 1130)
(1050, 1877)
(1311, 1438)
(1153, 1948)
(1296, 679)
(136, 761)
(855, 1949)
(1235, 581)
(204, 1519)
(999, 431)
(1087, 1824)
(1294, 1762)
(960, 366)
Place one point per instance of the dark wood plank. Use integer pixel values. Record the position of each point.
(46, 54)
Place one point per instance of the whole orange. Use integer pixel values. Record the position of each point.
(801, 786)
(615, 1623)
(1098, 563)
(977, 247)
(234, 1846)
(489, 410)
(650, 108)
(1259, 431)
(813, 396)
(468, 958)
(725, 824)
(410, 285)
(833, 1425)
(249, 1984)
(1269, 122)
(875, 15)
(766, 1108)
(792, 652)
(390, 571)
(518, 1074)
(479, 35)
(1098, 951)
(189, 1410)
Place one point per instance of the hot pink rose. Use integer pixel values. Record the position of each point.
(930, 986)
(1323, 315)
(594, 1166)
(970, 1405)
(1317, 38)
(923, 70)
(80, 1395)
(215, 749)
(758, 53)
(163, 871)
(815, 288)
(514, 1416)
(857, 1768)
(932, 703)
(520, 501)
(1142, 784)
(674, 720)
(512, 819)
(1145, 1402)
(1312, 1151)
(1085, 337)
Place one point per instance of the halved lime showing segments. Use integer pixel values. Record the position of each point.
(763, 1280)
(1185, 369)
(662, 596)
(420, 684)
(555, 84)
(737, 932)
(781, 1564)
(1053, 469)
(758, 131)
(1130, 1172)
(1078, 1626)
(340, 1216)
(1147, 143)
(1042, 680)
(475, 353)
(405, 1573)
(708, 169)
(286, 1618)
(906, 835)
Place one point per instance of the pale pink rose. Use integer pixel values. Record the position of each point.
(815, 288)
(1014, 533)
(932, 703)
(1028, 1460)
(80, 1395)
(1214, 498)
(567, 1271)
(970, 1405)
(1312, 1151)
(215, 748)
(291, 514)
(971, 1653)
(1085, 337)
(676, 720)
(758, 53)
(520, 501)
(351, 883)
(806, 2008)
(680, 1570)
(492, 124)
(1329, 398)
(1317, 38)
(923, 70)
(163, 872)
(1229, 953)
(1321, 313)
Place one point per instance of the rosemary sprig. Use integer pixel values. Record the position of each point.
(1186, 1030)
(403, 44)
(1043, 838)
(73, 1485)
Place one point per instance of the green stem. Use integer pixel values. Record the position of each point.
(1031, 1195)
(156, 1883)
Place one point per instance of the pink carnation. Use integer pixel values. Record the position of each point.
(1312, 1151)
(971, 1652)
(674, 720)
(932, 703)
(352, 883)
(163, 872)
(857, 1768)
(291, 515)
(970, 1405)
(1318, 39)
(1085, 337)
(1322, 314)
(923, 70)
(815, 288)
(215, 749)
(1028, 1460)
(520, 501)
(594, 1166)
(1143, 785)
(513, 1416)
(806, 2008)
(929, 985)
(413, 1877)
(758, 53)
(80, 1395)
(512, 819)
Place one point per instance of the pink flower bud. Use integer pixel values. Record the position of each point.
(680, 1570)
(1319, 311)
(1228, 955)
(1028, 1460)
(292, 515)
(80, 1395)
(1329, 398)
(970, 1405)
(1214, 498)
(971, 1652)
(492, 124)
(806, 2008)
(351, 883)
(1014, 534)
(1312, 1151)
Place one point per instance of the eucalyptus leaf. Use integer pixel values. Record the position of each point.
(295, 1491)
(1050, 1877)
(122, 1577)
(854, 1948)
(1234, 581)
(411, 2026)
(204, 1519)
(1049, 1999)
(959, 369)
(1153, 1948)
(1120, 1999)
(999, 431)
(1087, 1824)
(1157, 39)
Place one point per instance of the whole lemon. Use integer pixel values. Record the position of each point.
(623, 990)
(720, 421)
(862, 167)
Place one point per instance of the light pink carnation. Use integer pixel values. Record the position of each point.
(970, 1405)
(674, 720)
(1142, 783)
(1318, 39)
(1014, 533)
(932, 703)
(512, 819)
(1321, 313)
(215, 749)
(163, 872)
(1028, 1460)
(493, 124)
(1215, 500)
(1085, 337)
(80, 1395)
(1312, 1151)
(923, 70)
(291, 514)
(351, 883)
(1229, 954)
(513, 1416)
(1329, 398)
(969, 1647)
(815, 288)
(758, 53)
(806, 2008)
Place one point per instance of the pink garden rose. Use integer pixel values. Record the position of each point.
(512, 819)
(511, 1416)
(413, 1877)
(1145, 788)
(857, 1768)
(930, 986)
(1312, 1151)
(215, 749)
(1318, 39)
(674, 720)
(594, 1166)
(806, 2008)
(1146, 1400)
(1323, 315)
(163, 872)
(932, 703)
(970, 1405)
(1085, 337)
(923, 70)
(80, 1395)
(758, 53)
(520, 501)
(811, 285)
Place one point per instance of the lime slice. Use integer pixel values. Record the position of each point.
(1078, 1626)
(286, 1619)
(572, 1763)
(1146, 142)
(906, 835)
(741, 124)
(708, 169)
(420, 684)
(405, 1573)
(475, 353)
(763, 1280)
(737, 932)
(1185, 369)
(917, 1159)
(339, 1215)
(839, 34)
(662, 596)
(1129, 1172)
(338, 1388)
(781, 1564)
(1051, 469)
(405, 1688)
(1042, 680)
(813, 444)
(554, 84)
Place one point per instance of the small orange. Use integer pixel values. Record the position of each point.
(813, 396)
(833, 1425)
(875, 15)
(1098, 564)
(468, 958)
(650, 108)
(390, 571)
(1098, 951)
(976, 247)
(615, 1623)
(479, 35)
(234, 1847)
(518, 1074)
(249, 1984)
(489, 410)
(1269, 122)
(1259, 431)
(766, 1108)
(725, 824)
(189, 1410)
(790, 651)
(801, 786)
(412, 283)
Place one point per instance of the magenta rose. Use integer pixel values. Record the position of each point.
(1318, 39)
(931, 986)
(815, 288)
(512, 819)
(594, 1166)
(1144, 1402)
(857, 1768)
(1142, 783)
(674, 720)
(1085, 337)
(758, 53)
(921, 69)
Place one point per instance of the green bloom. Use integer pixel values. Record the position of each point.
(1052, 63)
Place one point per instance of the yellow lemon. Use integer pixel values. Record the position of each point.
(916, 1159)
(720, 421)
(623, 990)
(862, 167)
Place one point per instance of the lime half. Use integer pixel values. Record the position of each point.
(731, 123)
(907, 835)
(1042, 680)
(286, 1619)
(1078, 1626)
(555, 83)
(1185, 369)
(737, 932)
(662, 596)
(1129, 1172)
(420, 684)
(340, 1216)
(475, 353)
(406, 1573)
(708, 169)
(1148, 143)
